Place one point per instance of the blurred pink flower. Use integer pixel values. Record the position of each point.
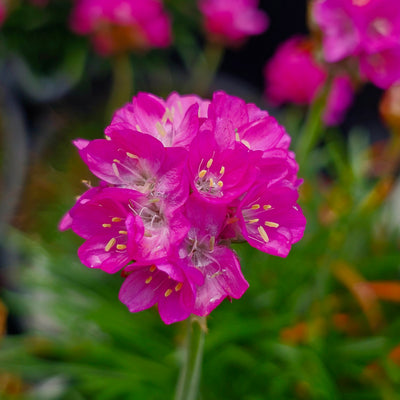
(3, 12)
(368, 30)
(122, 25)
(294, 76)
(339, 100)
(231, 22)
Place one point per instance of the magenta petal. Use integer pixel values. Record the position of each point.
(99, 155)
(93, 253)
(171, 309)
(138, 295)
(223, 278)
(228, 113)
(263, 134)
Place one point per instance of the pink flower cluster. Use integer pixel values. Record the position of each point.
(232, 22)
(121, 25)
(293, 75)
(180, 180)
(368, 31)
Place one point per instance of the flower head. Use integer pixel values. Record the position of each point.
(365, 30)
(179, 181)
(232, 22)
(122, 25)
(294, 76)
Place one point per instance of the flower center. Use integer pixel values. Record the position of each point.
(209, 181)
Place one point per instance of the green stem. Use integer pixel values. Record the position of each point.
(206, 68)
(313, 126)
(189, 379)
(311, 130)
(123, 83)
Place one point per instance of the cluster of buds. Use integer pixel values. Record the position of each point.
(180, 180)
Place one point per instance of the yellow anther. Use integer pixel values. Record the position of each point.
(153, 268)
(220, 183)
(115, 169)
(149, 279)
(167, 292)
(237, 137)
(267, 207)
(178, 287)
(246, 143)
(110, 244)
(253, 221)
(121, 246)
(202, 173)
(123, 232)
(180, 106)
(212, 243)
(106, 225)
(222, 170)
(263, 234)
(255, 206)
(131, 155)
(209, 163)
(138, 128)
(116, 219)
(116, 161)
(271, 224)
(168, 115)
(211, 182)
(155, 200)
(160, 129)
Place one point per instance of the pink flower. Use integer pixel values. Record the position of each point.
(179, 180)
(122, 25)
(294, 76)
(367, 30)
(3, 12)
(232, 22)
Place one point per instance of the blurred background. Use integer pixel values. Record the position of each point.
(323, 323)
